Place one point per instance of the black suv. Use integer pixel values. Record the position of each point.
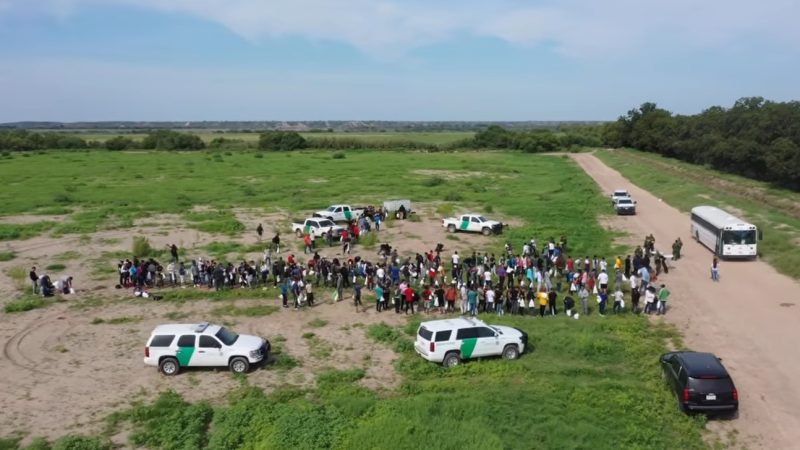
(700, 382)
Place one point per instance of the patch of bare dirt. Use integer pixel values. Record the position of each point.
(26, 219)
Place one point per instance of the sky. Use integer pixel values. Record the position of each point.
(191, 60)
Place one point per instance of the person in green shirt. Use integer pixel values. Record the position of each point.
(472, 300)
(663, 295)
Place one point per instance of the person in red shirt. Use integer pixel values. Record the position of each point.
(409, 294)
(307, 240)
(345, 237)
(290, 260)
(426, 295)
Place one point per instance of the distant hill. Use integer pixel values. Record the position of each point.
(305, 126)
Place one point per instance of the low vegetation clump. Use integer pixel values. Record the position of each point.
(25, 303)
(7, 256)
(57, 267)
(141, 247)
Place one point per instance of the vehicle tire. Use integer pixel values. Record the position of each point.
(239, 364)
(510, 352)
(486, 231)
(451, 228)
(298, 233)
(169, 367)
(451, 359)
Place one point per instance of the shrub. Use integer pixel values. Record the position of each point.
(7, 256)
(281, 140)
(141, 247)
(25, 303)
(120, 143)
(338, 155)
(55, 267)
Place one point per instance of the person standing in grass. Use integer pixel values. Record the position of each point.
(489, 294)
(307, 241)
(542, 295)
(259, 232)
(276, 242)
(309, 293)
(628, 266)
(450, 296)
(357, 294)
(649, 299)
(551, 302)
(715, 269)
(408, 295)
(618, 299)
(472, 300)
(378, 298)
(439, 294)
(35, 280)
(603, 295)
(663, 295)
(583, 294)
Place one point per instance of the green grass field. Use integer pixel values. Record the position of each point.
(591, 383)
(444, 137)
(111, 189)
(775, 211)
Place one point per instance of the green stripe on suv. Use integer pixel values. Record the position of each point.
(184, 355)
(464, 224)
(468, 347)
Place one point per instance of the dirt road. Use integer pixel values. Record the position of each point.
(751, 318)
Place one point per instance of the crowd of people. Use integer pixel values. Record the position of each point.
(528, 280)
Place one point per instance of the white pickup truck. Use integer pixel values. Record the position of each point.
(618, 194)
(340, 213)
(472, 222)
(316, 227)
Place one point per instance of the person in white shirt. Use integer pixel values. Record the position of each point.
(618, 299)
(455, 258)
(487, 278)
(489, 299)
(602, 280)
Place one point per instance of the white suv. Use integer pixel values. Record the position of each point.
(451, 340)
(173, 346)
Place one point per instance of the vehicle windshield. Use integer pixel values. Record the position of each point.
(331, 209)
(625, 201)
(325, 223)
(227, 337)
(621, 194)
(481, 219)
(739, 237)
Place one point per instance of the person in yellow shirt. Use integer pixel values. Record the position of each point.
(618, 263)
(542, 296)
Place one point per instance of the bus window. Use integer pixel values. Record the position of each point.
(739, 237)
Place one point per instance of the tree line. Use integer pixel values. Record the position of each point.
(754, 138)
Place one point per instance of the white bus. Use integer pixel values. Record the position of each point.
(727, 236)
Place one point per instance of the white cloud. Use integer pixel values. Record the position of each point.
(579, 28)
